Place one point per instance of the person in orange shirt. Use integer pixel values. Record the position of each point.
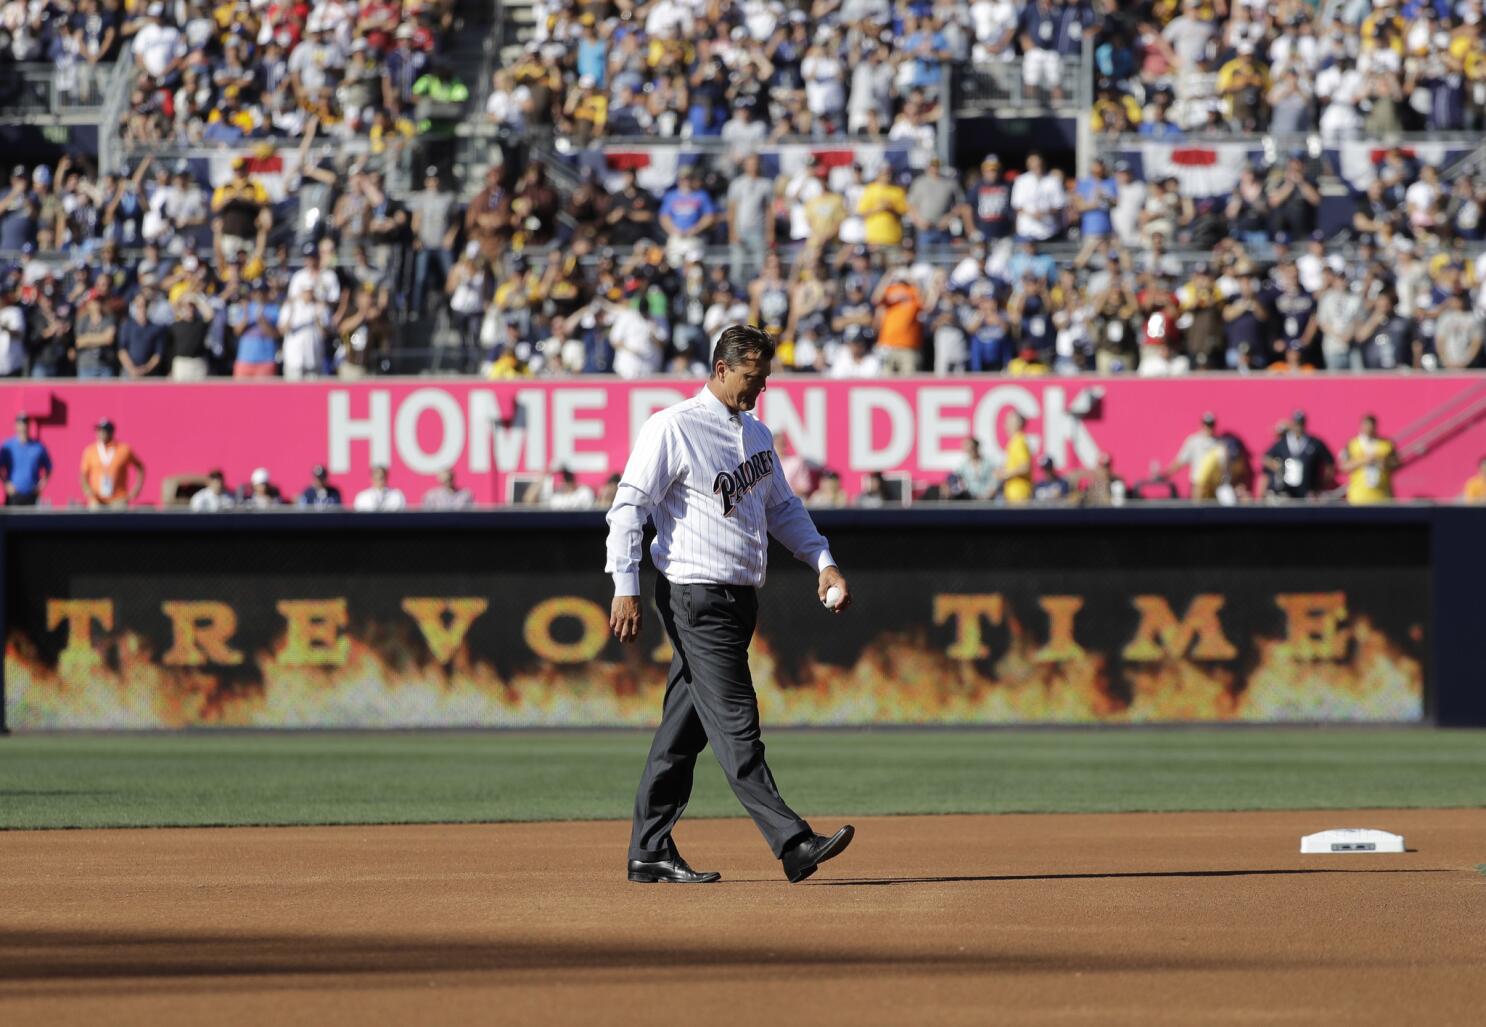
(1475, 485)
(899, 333)
(106, 471)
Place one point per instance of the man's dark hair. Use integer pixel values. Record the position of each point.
(738, 343)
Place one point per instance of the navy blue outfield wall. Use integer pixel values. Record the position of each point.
(963, 616)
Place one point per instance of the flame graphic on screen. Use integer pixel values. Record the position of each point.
(897, 679)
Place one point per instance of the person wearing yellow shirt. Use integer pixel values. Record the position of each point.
(1369, 462)
(1016, 470)
(882, 207)
(1243, 83)
(1475, 485)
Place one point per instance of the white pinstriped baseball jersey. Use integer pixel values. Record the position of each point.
(710, 481)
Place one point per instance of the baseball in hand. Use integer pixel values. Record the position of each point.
(833, 597)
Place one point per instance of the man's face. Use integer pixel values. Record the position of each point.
(22, 429)
(379, 477)
(105, 435)
(446, 479)
(741, 386)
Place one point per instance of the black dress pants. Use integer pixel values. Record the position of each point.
(709, 698)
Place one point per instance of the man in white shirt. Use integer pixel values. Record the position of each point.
(12, 337)
(563, 492)
(856, 359)
(318, 281)
(1035, 200)
(380, 498)
(303, 323)
(636, 341)
(214, 498)
(158, 47)
(704, 472)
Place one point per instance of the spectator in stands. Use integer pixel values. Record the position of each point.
(857, 358)
(319, 494)
(899, 329)
(830, 494)
(1386, 338)
(750, 220)
(262, 495)
(1243, 84)
(800, 473)
(1052, 488)
(1196, 450)
(434, 230)
(1369, 462)
(379, 497)
(1038, 200)
(882, 206)
(112, 475)
(936, 207)
(1337, 312)
(976, 475)
(241, 216)
(560, 490)
(186, 339)
(1298, 465)
(92, 342)
(304, 325)
(1015, 474)
(214, 498)
(1458, 335)
(686, 214)
(25, 465)
(447, 495)
(1474, 490)
(990, 201)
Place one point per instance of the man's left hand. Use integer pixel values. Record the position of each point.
(829, 577)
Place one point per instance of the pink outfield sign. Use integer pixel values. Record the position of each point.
(494, 435)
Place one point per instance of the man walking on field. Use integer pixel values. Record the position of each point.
(705, 472)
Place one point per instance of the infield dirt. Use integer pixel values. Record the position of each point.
(1130, 918)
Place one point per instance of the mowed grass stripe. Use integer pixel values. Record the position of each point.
(202, 779)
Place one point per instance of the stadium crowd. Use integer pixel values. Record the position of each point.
(865, 268)
(861, 272)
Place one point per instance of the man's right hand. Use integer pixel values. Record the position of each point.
(625, 618)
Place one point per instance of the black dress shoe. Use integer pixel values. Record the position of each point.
(669, 871)
(801, 860)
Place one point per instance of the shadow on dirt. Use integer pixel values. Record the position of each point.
(871, 881)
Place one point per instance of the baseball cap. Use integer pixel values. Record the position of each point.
(104, 423)
(23, 417)
(309, 249)
(1209, 419)
(19, 171)
(318, 471)
(260, 476)
(1299, 415)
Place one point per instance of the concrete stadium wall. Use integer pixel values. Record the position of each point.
(963, 617)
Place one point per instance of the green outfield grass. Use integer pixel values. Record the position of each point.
(203, 779)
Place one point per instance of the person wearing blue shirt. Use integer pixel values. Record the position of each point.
(141, 342)
(1096, 198)
(686, 213)
(593, 54)
(25, 465)
(257, 338)
(320, 494)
